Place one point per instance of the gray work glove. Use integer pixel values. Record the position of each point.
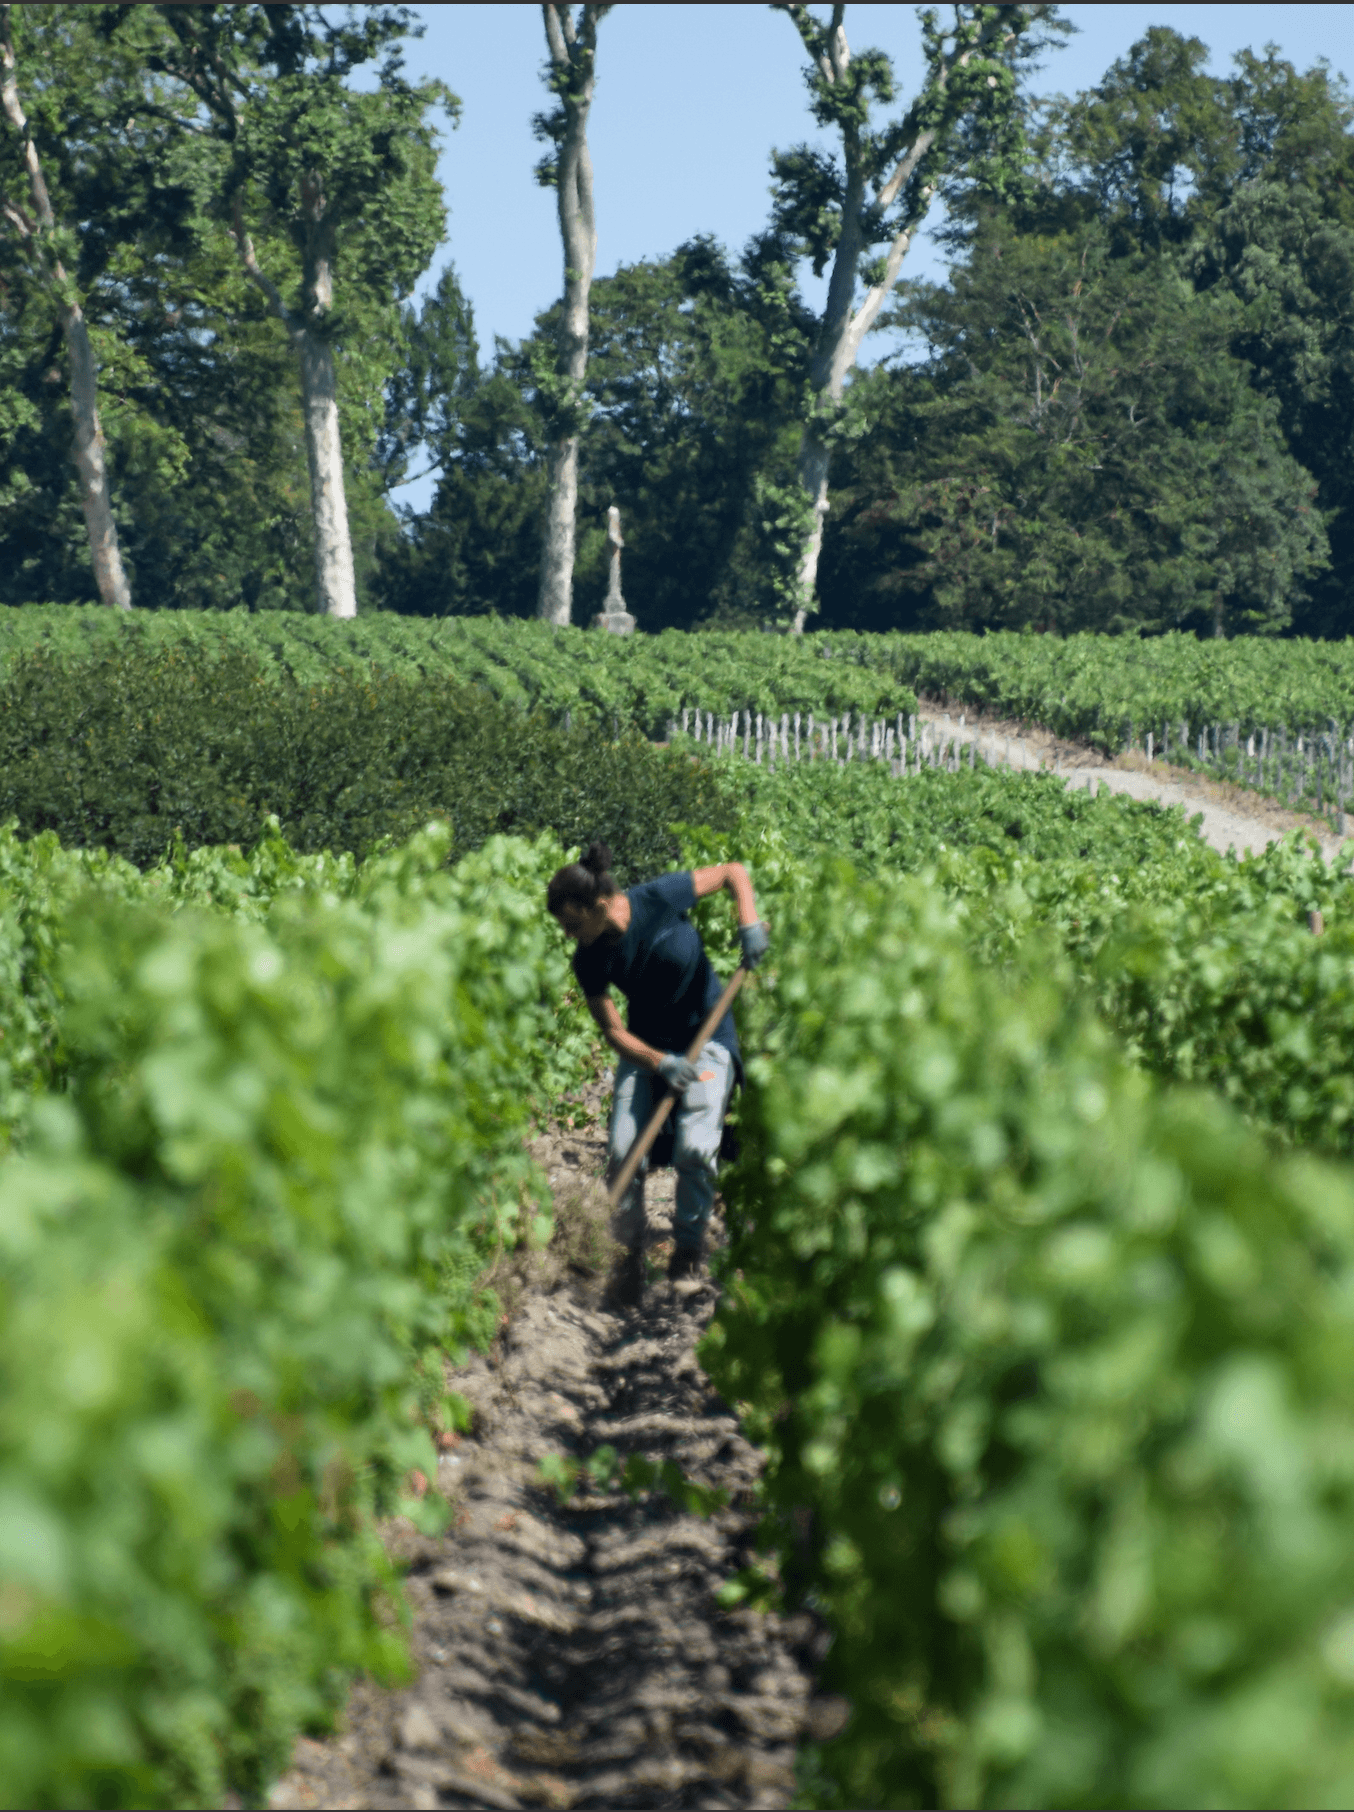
(756, 941)
(678, 1073)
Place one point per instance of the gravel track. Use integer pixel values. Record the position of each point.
(575, 1656)
(1234, 817)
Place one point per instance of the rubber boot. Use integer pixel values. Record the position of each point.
(686, 1261)
(625, 1289)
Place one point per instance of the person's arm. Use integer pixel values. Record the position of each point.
(733, 876)
(603, 1010)
(752, 934)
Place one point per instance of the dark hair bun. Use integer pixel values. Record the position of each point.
(597, 860)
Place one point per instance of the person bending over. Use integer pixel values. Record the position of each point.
(642, 942)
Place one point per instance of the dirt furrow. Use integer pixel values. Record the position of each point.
(575, 1655)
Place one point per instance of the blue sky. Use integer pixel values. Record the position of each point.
(690, 101)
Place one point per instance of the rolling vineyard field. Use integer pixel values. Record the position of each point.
(640, 682)
(1111, 689)
(1022, 1323)
(1276, 716)
(1106, 689)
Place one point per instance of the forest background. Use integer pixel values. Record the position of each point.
(1127, 407)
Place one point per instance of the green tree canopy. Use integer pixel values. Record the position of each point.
(1080, 451)
(1134, 408)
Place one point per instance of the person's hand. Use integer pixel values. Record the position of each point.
(678, 1073)
(756, 941)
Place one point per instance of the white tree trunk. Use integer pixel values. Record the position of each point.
(813, 467)
(839, 341)
(319, 395)
(328, 499)
(842, 329)
(95, 500)
(578, 232)
(554, 602)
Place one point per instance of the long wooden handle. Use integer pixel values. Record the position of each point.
(625, 1176)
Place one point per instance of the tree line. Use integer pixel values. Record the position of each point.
(1128, 408)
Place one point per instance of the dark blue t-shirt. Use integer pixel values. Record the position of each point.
(661, 967)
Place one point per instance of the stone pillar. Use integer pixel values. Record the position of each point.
(613, 616)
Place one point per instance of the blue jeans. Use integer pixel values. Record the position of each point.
(695, 1150)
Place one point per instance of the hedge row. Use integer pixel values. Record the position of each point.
(1056, 1376)
(287, 1140)
(136, 751)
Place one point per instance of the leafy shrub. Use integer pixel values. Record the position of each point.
(1056, 1376)
(289, 1141)
(134, 751)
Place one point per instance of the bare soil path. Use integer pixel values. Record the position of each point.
(1234, 817)
(575, 1656)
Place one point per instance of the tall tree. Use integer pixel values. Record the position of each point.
(1082, 451)
(339, 173)
(198, 403)
(1282, 245)
(45, 243)
(437, 375)
(879, 191)
(695, 367)
(568, 169)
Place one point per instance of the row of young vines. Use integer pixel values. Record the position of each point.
(1050, 1354)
